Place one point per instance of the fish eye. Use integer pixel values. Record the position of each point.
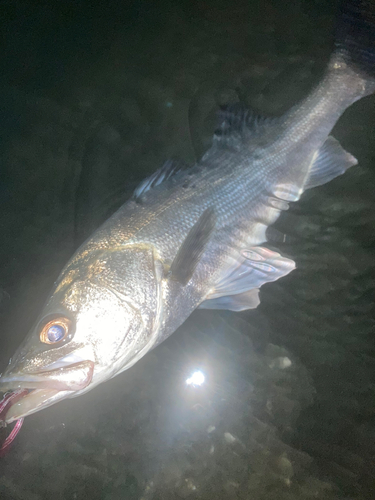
(55, 330)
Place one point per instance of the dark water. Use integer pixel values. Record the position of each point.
(94, 98)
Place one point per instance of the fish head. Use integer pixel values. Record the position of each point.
(97, 323)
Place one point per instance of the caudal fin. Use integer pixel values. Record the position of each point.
(355, 38)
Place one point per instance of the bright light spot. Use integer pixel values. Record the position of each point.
(281, 363)
(196, 379)
(229, 438)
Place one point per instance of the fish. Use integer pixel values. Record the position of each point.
(190, 236)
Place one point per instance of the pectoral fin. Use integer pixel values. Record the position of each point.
(238, 287)
(191, 251)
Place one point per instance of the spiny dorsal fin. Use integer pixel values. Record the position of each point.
(191, 250)
(168, 170)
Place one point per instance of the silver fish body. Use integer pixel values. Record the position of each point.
(188, 238)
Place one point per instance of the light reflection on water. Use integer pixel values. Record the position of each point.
(197, 378)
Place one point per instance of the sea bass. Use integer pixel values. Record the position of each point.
(190, 237)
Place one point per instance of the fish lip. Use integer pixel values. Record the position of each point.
(45, 387)
(31, 402)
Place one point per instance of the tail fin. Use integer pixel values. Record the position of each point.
(355, 38)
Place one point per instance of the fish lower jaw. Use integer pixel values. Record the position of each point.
(32, 402)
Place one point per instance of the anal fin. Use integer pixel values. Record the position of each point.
(238, 287)
(330, 161)
(239, 302)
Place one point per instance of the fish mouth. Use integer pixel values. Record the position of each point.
(43, 388)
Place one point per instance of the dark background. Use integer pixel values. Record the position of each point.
(94, 97)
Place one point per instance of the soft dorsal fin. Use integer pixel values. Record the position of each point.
(238, 287)
(168, 170)
(237, 123)
(239, 116)
(191, 250)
